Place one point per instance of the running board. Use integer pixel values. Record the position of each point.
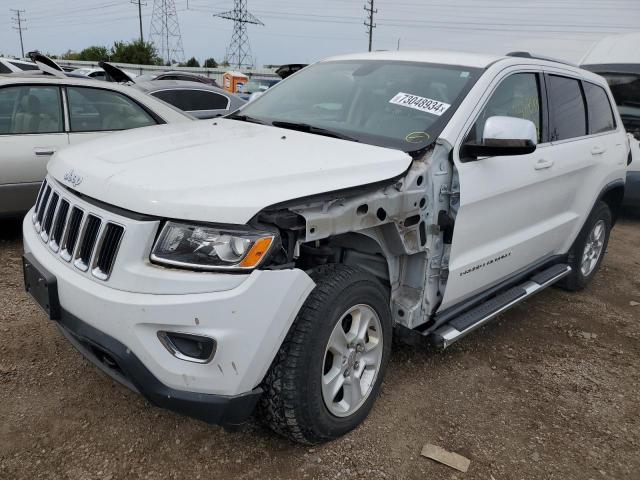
(467, 322)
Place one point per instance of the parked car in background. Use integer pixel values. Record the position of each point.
(617, 58)
(265, 260)
(256, 85)
(200, 100)
(41, 114)
(11, 65)
(95, 73)
(176, 75)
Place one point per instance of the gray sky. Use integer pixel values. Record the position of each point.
(308, 30)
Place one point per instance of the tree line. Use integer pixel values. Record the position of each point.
(136, 52)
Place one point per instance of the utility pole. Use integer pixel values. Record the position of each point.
(369, 24)
(18, 19)
(140, 3)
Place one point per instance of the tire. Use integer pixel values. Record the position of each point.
(578, 279)
(296, 384)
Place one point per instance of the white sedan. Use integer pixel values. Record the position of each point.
(42, 114)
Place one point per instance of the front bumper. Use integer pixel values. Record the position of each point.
(117, 330)
(632, 189)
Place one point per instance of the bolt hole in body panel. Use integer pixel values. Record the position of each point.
(362, 209)
(381, 214)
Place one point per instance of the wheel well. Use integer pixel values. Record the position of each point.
(613, 198)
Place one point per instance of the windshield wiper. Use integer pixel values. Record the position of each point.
(246, 118)
(305, 127)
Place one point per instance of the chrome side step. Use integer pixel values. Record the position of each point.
(467, 322)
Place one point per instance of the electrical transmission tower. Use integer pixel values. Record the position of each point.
(369, 22)
(18, 20)
(165, 31)
(239, 50)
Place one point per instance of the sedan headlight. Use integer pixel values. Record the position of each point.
(207, 248)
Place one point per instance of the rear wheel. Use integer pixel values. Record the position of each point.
(328, 371)
(589, 248)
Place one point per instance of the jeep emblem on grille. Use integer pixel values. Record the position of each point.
(72, 178)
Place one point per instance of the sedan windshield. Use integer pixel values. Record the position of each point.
(403, 105)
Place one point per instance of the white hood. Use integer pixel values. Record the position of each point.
(221, 171)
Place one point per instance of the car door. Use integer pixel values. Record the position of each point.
(94, 112)
(200, 103)
(511, 214)
(31, 130)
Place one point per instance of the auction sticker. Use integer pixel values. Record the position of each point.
(420, 103)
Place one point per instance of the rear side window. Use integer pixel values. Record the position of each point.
(193, 100)
(566, 108)
(4, 68)
(600, 113)
(30, 109)
(95, 110)
(25, 66)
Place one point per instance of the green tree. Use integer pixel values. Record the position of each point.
(142, 53)
(70, 55)
(210, 63)
(95, 53)
(192, 62)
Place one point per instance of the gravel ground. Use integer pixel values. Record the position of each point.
(549, 390)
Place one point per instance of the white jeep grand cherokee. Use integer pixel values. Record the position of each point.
(261, 262)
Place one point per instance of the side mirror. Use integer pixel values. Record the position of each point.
(503, 136)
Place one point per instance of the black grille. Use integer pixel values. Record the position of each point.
(111, 241)
(74, 230)
(45, 198)
(51, 210)
(42, 189)
(61, 221)
(85, 238)
(89, 239)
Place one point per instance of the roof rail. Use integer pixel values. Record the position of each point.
(540, 57)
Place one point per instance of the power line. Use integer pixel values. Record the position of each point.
(370, 25)
(18, 19)
(165, 31)
(239, 49)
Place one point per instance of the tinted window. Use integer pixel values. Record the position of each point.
(567, 110)
(600, 113)
(25, 66)
(4, 68)
(193, 100)
(517, 96)
(30, 109)
(93, 110)
(626, 92)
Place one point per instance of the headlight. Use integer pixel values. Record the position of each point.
(207, 248)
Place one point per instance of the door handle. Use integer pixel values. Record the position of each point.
(44, 151)
(542, 164)
(598, 150)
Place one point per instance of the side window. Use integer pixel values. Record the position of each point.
(4, 68)
(30, 109)
(567, 110)
(517, 96)
(94, 110)
(600, 113)
(193, 100)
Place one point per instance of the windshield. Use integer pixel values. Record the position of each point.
(403, 105)
(257, 85)
(626, 91)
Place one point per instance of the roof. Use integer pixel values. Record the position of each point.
(616, 49)
(444, 57)
(37, 77)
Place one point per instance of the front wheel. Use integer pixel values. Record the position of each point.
(588, 250)
(328, 372)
